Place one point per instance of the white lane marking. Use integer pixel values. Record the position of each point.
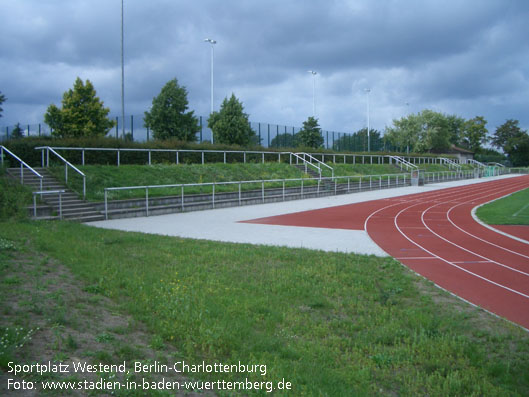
(518, 212)
(453, 264)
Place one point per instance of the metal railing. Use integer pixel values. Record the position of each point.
(450, 163)
(313, 161)
(46, 163)
(404, 163)
(442, 176)
(262, 156)
(318, 186)
(22, 165)
(59, 192)
(476, 162)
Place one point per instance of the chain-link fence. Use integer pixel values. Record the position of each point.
(268, 135)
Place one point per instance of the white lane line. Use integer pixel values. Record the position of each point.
(453, 264)
(467, 250)
(519, 211)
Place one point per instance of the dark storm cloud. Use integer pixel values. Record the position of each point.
(456, 56)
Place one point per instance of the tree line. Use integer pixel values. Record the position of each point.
(83, 114)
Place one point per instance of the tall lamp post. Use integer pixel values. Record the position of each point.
(368, 90)
(212, 43)
(313, 91)
(122, 79)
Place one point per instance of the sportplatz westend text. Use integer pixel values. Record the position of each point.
(108, 380)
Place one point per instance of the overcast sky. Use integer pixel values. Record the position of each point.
(461, 57)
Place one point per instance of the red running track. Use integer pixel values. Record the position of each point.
(435, 235)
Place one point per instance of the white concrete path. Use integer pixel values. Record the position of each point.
(222, 224)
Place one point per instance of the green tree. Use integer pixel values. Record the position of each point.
(286, 140)
(17, 132)
(230, 125)
(475, 133)
(169, 117)
(357, 142)
(513, 141)
(310, 135)
(82, 113)
(425, 131)
(2, 100)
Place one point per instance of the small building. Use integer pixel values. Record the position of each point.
(462, 155)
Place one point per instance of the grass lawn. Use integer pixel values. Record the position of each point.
(331, 324)
(510, 210)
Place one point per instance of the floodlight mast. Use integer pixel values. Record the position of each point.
(313, 91)
(122, 79)
(368, 90)
(212, 43)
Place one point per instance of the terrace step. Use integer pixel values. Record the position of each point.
(72, 207)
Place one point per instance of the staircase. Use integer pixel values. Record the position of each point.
(73, 208)
(326, 185)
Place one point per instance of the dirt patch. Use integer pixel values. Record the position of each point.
(49, 317)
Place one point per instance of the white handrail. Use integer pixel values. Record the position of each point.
(305, 162)
(312, 158)
(409, 166)
(475, 162)
(66, 165)
(450, 163)
(22, 164)
(59, 192)
(262, 182)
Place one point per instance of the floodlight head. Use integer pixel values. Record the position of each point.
(312, 72)
(211, 41)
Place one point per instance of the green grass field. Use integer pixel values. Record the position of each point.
(510, 210)
(98, 177)
(332, 324)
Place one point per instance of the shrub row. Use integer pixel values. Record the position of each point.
(25, 149)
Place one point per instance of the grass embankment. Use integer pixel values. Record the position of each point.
(510, 210)
(99, 177)
(331, 324)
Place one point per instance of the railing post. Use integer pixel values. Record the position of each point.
(35, 205)
(82, 157)
(84, 186)
(149, 157)
(60, 204)
(301, 187)
(240, 201)
(47, 156)
(106, 205)
(118, 158)
(147, 200)
(213, 195)
(262, 191)
(202, 158)
(66, 172)
(182, 200)
(283, 190)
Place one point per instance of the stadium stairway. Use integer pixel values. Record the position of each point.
(73, 208)
(327, 184)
